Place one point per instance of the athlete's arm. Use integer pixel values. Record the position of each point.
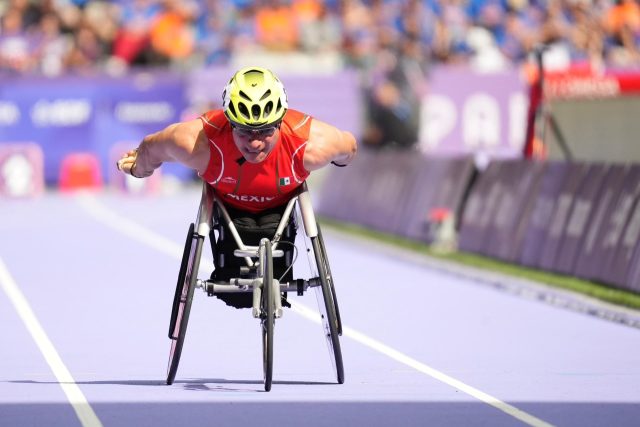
(328, 144)
(184, 143)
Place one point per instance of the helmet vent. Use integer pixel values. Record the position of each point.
(244, 111)
(267, 109)
(266, 95)
(279, 107)
(233, 109)
(245, 96)
(255, 111)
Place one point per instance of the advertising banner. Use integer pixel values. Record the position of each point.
(633, 277)
(387, 195)
(87, 114)
(589, 256)
(526, 193)
(440, 183)
(620, 229)
(465, 113)
(623, 259)
(505, 205)
(543, 209)
(518, 178)
(479, 208)
(580, 217)
(560, 217)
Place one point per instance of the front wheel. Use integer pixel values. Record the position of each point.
(267, 316)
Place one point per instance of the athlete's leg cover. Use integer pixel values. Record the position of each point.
(252, 228)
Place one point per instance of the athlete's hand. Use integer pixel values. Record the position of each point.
(127, 165)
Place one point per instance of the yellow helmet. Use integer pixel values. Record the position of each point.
(254, 98)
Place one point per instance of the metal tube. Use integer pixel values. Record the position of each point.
(278, 300)
(234, 231)
(203, 220)
(283, 222)
(306, 209)
(246, 285)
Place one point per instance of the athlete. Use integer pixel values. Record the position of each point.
(255, 152)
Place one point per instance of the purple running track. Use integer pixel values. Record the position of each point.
(421, 346)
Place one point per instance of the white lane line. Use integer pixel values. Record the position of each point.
(78, 401)
(135, 231)
(425, 369)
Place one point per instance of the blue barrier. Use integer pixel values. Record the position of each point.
(589, 257)
(580, 218)
(573, 218)
(440, 183)
(616, 246)
(558, 221)
(478, 209)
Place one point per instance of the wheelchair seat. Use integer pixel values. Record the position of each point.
(251, 228)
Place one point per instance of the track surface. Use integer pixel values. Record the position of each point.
(87, 283)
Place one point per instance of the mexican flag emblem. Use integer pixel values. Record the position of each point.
(285, 181)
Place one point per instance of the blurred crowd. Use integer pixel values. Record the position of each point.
(52, 36)
(391, 42)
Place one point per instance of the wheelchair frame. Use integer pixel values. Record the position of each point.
(259, 280)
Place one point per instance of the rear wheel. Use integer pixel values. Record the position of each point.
(328, 310)
(330, 280)
(267, 306)
(182, 299)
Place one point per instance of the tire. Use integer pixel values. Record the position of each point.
(182, 300)
(268, 315)
(330, 278)
(329, 318)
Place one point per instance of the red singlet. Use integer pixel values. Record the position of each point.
(255, 187)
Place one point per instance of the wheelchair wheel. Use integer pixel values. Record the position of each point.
(182, 299)
(267, 305)
(330, 279)
(328, 312)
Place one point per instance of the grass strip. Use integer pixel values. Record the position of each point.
(585, 287)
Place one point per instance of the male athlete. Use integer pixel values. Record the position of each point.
(254, 152)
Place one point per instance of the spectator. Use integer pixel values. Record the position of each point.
(214, 40)
(276, 26)
(131, 44)
(16, 46)
(622, 24)
(319, 29)
(171, 35)
(86, 51)
(53, 46)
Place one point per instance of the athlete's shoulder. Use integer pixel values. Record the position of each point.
(297, 122)
(214, 120)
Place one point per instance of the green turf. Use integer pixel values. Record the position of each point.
(592, 289)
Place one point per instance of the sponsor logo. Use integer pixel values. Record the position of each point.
(250, 198)
(285, 181)
(229, 180)
(144, 112)
(61, 112)
(9, 113)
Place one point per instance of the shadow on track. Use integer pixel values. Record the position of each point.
(195, 383)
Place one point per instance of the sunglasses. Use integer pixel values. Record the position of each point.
(255, 133)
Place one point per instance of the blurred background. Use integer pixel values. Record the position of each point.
(506, 128)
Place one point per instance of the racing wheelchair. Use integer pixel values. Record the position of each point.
(257, 278)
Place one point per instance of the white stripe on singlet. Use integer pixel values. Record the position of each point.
(293, 159)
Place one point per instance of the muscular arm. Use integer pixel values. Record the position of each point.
(328, 144)
(184, 143)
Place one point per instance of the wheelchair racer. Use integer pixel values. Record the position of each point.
(255, 152)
